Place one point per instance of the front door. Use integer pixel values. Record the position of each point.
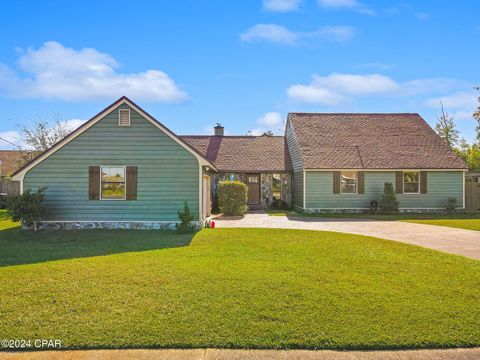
(253, 183)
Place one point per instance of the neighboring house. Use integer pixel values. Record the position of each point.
(9, 162)
(123, 168)
(341, 162)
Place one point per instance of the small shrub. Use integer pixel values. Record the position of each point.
(3, 201)
(451, 205)
(232, 197)
(279, 204)
(27, 207)
(389, 202)
(186, 217)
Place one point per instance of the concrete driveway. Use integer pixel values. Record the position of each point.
(450, 240)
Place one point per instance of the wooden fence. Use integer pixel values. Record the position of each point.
(472, 195)
(10, 188)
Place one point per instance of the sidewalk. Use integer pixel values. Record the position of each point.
(226, 354)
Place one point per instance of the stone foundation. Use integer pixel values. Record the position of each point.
(123, 225)
(367, 211)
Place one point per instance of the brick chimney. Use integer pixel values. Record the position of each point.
(218, 130)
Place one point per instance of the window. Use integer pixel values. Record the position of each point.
(112, 183)
(124, 117)
(277, 186)
(411, 184)
(348, 182)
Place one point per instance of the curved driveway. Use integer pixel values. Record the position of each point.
(450, 240)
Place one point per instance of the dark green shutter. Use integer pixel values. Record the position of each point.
(361, 182)
(94, 182)
(131, 187)
(336, 182)
(399, 182)
(423, 182)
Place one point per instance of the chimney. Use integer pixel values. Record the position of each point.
(218, 130)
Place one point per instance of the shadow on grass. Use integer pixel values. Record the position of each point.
(25, 247)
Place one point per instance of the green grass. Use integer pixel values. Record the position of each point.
(240, 288)
(469, 221)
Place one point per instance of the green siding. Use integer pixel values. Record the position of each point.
(297, 164)
(441, 186)
(167, 173)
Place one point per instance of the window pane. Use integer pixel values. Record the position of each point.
(113, 174)
(276, 186)
(113, 190)
(410, 181)
(349, 182)
(113, 182)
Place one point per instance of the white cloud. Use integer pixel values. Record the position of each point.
(8, 138)
(281, 35)
(270, 119)
(463, 103)
(338, 88)
(335, 88)
(346, 4)
(72, 124)
(269, 32)
(457, 100)
(64, 73)
(281, 5)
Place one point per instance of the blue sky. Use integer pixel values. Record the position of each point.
(244, 63)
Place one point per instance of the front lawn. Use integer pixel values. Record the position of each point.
(469, 221)
(242, 288)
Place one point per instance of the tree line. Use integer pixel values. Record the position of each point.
(446, 128)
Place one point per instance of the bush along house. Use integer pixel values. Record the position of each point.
(124, 169)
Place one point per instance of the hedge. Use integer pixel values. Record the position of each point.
(232, 197)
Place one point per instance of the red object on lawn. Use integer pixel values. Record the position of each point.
(212, 224)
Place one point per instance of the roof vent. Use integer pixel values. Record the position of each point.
(124, 117)
(218, 130)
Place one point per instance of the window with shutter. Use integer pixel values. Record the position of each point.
(124, 117)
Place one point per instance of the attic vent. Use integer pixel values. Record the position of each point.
(124, 117)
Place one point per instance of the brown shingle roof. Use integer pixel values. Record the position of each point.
(10, 161)
(370, 141)
(243, 153)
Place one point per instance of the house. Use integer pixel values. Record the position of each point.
(9, 162)
(341, 162)
(124, 169)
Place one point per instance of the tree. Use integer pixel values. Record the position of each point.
(470, 154)
(446, 128)
(41, 137)
(476, 116)
(186, 218)
(389, 203)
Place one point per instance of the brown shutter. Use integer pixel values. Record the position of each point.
(423, 182)
(361, 182)
(131, 183)
(336, 182)
(399, 182)
(94, 182)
